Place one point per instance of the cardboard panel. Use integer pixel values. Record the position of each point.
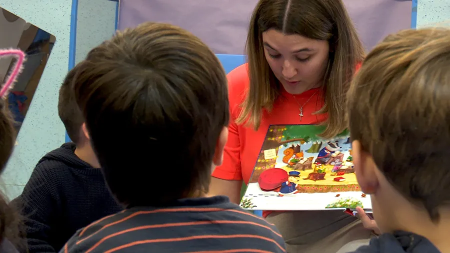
(223, 24)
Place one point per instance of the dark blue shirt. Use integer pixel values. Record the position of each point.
(399, 242)
(63, 195)
(190, 225)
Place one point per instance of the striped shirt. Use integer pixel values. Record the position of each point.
(190, 225)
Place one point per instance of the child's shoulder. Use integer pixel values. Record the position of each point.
(222, 221)
(51, 168)
(103, 223)
(87, 237)
(60, 159)
(256, 224)
(398, 242)
(59, 167)
(235, 224)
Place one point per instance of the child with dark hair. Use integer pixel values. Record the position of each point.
(66, 190)
(399, 114)
(155, 104)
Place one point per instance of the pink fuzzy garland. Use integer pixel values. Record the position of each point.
(18, 66)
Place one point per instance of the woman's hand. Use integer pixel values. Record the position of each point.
(367, 222)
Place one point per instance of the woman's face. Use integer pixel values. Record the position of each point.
(298, 62)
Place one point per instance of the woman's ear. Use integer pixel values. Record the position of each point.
(365, 169)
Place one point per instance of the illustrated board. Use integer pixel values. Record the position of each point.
(297, 170)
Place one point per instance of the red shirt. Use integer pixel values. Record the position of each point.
(244, 143)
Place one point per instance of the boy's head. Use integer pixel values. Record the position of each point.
(69, 112)
(155, 103)
(399, 114)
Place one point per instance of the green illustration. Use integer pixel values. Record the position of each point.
(247, 203)
(346, 203)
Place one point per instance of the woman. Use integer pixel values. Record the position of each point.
(302, 55)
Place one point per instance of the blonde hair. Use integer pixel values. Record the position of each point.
(314, 19)
(399, 109)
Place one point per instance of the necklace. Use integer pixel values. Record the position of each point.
(301, 106)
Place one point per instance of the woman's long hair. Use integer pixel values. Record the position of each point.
(315, 19)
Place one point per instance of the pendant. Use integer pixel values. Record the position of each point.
(301, 114)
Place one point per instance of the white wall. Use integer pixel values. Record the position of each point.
(430, 12)
(42, 130)
(96, 23)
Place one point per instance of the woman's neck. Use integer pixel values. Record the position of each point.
(307, 91)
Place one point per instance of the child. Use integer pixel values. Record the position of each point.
(66, 190)
(8, 218)
(10, 239)
(156, 108)
(399, 114)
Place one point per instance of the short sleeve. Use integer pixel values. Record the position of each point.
(237, 87)
(357, 67)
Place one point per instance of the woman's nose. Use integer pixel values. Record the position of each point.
(288, 70)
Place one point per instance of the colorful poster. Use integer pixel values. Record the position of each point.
(298, 170)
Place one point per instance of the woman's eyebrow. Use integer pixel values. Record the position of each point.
(296, 51)
(303, 50)
(269, 46)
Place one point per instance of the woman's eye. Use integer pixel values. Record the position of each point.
(302, 59)
(275, 56)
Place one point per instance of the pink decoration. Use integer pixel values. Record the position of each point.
(17, 68)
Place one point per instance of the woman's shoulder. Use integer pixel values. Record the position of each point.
(238, 84)
(238, 78)
(358, 66)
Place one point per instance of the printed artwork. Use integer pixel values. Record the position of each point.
(298, 170)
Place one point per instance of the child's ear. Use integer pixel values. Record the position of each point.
(85, 131)
(218, 153)
(365, 169)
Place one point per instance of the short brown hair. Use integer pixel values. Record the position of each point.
(399, 109)
(155, 102)
(315, 19)
(68, 110)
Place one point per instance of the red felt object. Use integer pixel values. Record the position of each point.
(271, 179)
(340, 173)
(339, 179)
